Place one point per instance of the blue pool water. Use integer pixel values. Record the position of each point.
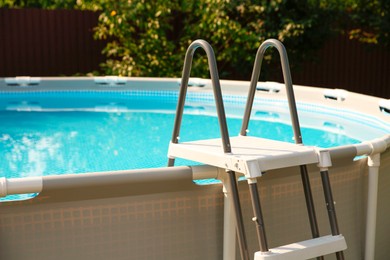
(45, 143)
(58, 133)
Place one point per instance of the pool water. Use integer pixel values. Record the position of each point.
(51, 133)
(46, 143)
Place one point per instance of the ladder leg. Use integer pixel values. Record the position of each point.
(331, 208)
(171, 162)
(238, 215)
(258, 218)
(310, 204)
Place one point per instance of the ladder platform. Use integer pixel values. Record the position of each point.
(250, 155)
(305, 249)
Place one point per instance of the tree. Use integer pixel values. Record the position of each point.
(149, 38)
(370, 21)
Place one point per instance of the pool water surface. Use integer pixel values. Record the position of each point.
(46, 143)
(52, 133)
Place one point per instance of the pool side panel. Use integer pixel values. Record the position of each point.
(166, 217)
(114, 184)
(382, 240)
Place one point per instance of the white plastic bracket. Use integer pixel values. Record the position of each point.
(3, 187)
(374, 160)
(110, 80)
(250, 168)
(384, 105)
(324, 159)
(336, 94)
(195, 82)
(270, 87)
(24, 81)
(252, 180)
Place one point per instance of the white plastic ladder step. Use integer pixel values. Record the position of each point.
(250, 155)
(305, 249)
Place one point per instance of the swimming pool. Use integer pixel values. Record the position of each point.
(48, 133)
(162, 207)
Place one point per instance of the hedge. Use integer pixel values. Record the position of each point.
(149, 38)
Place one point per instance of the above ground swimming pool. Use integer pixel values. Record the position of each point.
(51, 130)
(55, 129)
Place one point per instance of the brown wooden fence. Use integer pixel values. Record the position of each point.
(350, 65)
(38, 42)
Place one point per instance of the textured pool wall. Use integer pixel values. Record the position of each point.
(383, 216)
(176, 219)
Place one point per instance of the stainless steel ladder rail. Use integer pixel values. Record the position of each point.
(223, 129)
(298, 140)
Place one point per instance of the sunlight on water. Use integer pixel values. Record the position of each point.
(128, 133)
(36, 143)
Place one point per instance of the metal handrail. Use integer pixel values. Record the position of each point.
(222, 126)
(287, 80)
(216, 88)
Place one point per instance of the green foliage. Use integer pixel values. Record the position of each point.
(149, 38)
(370, 21)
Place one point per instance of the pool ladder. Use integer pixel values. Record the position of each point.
(253, 156)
